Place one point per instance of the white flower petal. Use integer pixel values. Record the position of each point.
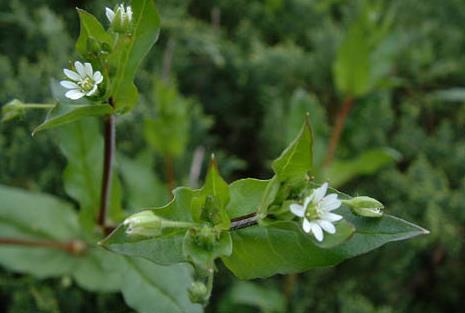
(320, 192)
(297, 209)
(129, 13)
(331, 217)
(72, 75)
(98, 77)
(110, 14)
(69, 85)
(330, 202)
(317, 231)
(88, 68)
(306, 225)
(74, 94)
(80, 69)
(92, 91)
(308, 200)
(327, 226)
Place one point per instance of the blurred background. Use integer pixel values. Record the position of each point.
(382, 81)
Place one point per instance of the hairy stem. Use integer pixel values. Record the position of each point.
(337, 129)
(74, 247)
(109, 150)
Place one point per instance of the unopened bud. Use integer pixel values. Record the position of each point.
(198, 292)
(145, 224)
(120, 18)
(365, 206)
(12, 110)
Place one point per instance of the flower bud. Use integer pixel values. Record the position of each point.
(206, 237)
(120, 18)
(198, 292)
(144, 224)
(365, 206)
(12, 110)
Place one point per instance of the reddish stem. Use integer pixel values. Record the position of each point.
(74, 247)
(337, 129)
(170, 176)
(109, 149)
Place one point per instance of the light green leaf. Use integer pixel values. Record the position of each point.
(63, 114)
(36, 216)
(283, 247)
(152, 288)
(82, 145)
(99, 270)
(369, 162)
(265, 298)
(91, 31)
(351, 69)
(130, 50)
(246, 196)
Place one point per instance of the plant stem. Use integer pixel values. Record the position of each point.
(36, 106)
(74, 247)
(170, 177)
(337, 129)
(244, 221)
(109, 150)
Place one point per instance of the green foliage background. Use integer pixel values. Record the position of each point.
(251, 66)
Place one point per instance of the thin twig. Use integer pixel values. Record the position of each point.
(168, 59)
(75, 247)
(109, 149)
(337, 129)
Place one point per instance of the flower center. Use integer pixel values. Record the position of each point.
(312, 211)
(86, 84)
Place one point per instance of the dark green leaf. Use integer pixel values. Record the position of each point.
(246, 196)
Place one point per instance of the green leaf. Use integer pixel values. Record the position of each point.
(203, 253)
(246, 196)
(210, 203)
(297, 159)
(166, 249)
(283, 247)
(91, 30)
(99, 270)
(36, 216)
(63, 114)
(130, 50)
(369, 162)
(168, 132)
(82, 145)
(142, 187)
(265, 298)
(351, 69)
(152, 288)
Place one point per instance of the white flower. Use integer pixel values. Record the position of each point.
(83, 81)
(316, 212)
(125, 14)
